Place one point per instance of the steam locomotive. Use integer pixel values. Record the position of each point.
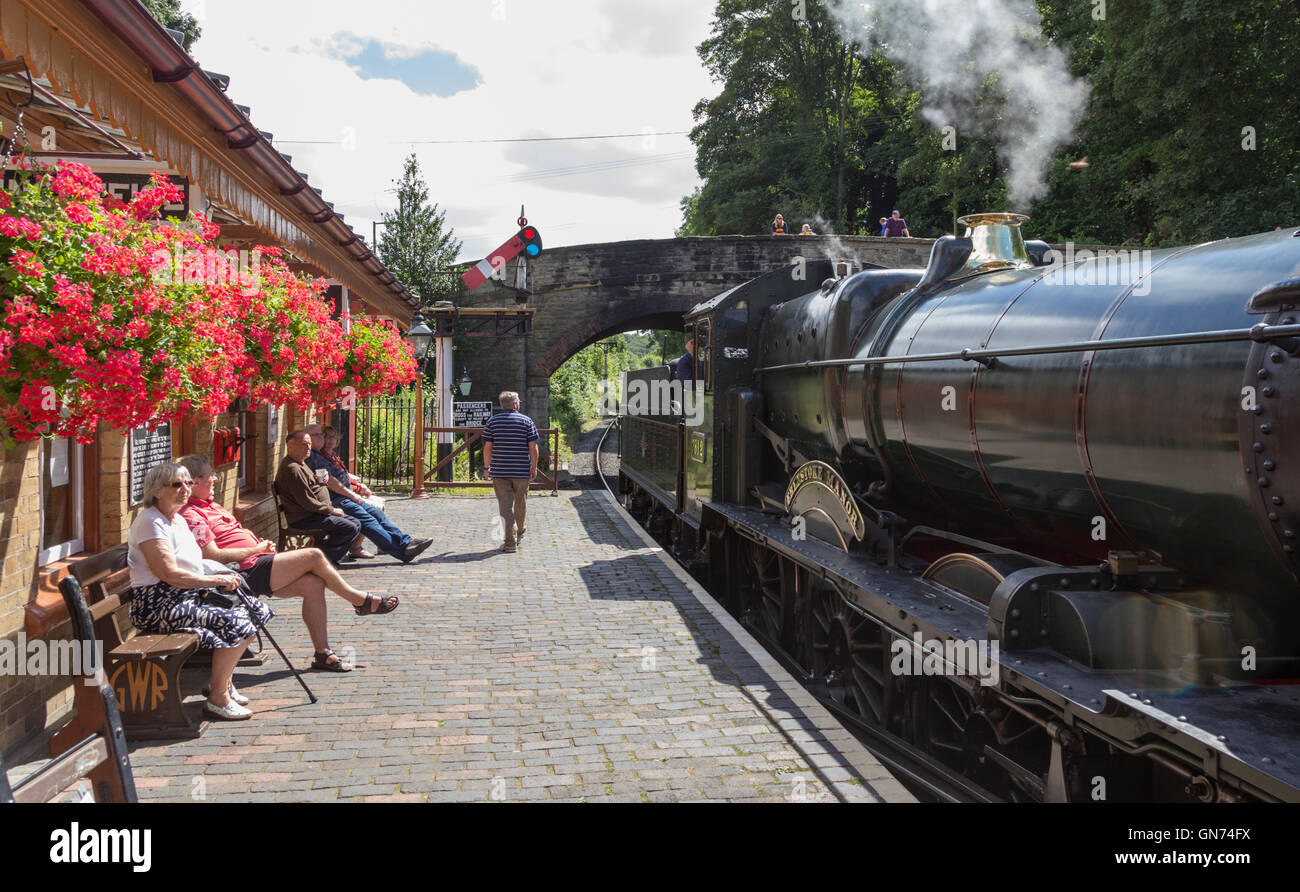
(1029, 517)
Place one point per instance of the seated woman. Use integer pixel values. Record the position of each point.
(169, 588)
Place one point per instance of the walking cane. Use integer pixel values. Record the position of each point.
(245, 593)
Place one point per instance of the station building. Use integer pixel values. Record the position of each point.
(112, 89)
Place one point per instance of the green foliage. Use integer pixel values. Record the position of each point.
(168, 13)
(781, 135)
(1174, 83)
(416, 242)
(805, 124)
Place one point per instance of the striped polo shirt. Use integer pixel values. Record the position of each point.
(510, 432)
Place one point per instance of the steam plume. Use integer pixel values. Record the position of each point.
(956, 49)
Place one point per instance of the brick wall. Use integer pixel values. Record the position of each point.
(24, 700)
(31, 704)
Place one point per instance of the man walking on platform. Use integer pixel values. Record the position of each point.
(510, 452)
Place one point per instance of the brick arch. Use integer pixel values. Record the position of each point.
(625, 318)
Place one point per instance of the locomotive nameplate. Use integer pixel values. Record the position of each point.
(698, 442)
(816, 485)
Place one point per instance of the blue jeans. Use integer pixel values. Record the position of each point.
(376, 527)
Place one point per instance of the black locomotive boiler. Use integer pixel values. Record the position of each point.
(1033, 519)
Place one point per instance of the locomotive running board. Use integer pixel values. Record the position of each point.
(1214, 731)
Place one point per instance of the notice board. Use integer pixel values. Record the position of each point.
(148, 449)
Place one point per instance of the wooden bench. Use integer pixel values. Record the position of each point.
(143, 670)
(292, 538)
(93, 744)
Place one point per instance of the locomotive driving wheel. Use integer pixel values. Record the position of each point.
(949, 723)
(762, 594)
(848, 656)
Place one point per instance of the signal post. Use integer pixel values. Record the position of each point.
(450, 321)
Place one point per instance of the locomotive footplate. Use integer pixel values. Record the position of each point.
(1226, 743)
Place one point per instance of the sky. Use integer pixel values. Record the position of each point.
(350, 88)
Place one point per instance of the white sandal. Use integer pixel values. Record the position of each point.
(231, 712)
(234, 694)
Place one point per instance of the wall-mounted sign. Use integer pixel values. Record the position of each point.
(147, 450)
(471, 414)
(123, 187)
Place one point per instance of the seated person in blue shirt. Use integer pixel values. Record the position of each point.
(375, 525)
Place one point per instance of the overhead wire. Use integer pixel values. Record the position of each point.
(452, 142)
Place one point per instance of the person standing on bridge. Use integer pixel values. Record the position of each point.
(779, 227)
(807, 230)
(896, 227)
(510, 452)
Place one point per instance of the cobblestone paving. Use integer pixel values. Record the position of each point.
(580, 668)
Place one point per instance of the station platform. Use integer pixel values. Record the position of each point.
(586, 666)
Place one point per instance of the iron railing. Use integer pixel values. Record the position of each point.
(386, 455)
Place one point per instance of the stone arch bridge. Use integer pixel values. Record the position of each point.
(585, 293)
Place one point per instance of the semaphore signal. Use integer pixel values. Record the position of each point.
(527, 241)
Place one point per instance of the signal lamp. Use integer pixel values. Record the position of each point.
(532, 240)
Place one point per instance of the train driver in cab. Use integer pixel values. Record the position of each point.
(685, 365)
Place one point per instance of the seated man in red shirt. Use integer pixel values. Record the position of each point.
(304, 573)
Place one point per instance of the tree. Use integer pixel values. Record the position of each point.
(780, 136)
(168, 13)
(1191, 132)
(416, 242)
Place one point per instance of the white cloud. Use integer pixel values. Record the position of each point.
(599, 67)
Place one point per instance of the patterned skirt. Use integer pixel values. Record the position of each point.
(159, 609)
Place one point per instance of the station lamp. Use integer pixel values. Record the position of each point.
(420, 336)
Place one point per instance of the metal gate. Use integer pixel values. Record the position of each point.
(382, 434)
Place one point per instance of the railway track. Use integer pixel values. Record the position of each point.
(927, 779)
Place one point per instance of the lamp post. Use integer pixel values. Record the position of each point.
(420, 337)
(446, 384)
(465, 384)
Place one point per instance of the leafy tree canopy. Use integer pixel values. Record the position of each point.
(1189, 134)
(168, 12)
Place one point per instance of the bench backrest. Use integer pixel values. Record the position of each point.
(102, 584)
(280, 517)
(92, 744)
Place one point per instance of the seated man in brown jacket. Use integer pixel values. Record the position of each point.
(306, 501)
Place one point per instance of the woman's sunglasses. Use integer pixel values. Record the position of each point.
(177, 484)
